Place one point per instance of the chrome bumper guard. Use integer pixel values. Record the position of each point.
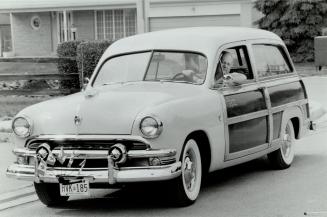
(111, 175)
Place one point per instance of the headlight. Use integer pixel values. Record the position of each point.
(151, 127)
(22, 127)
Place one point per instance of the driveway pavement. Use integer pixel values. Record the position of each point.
(7, 158)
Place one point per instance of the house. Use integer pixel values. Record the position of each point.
(37, 26)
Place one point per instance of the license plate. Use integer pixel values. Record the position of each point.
(78, 188)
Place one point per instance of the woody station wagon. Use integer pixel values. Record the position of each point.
(153, 111)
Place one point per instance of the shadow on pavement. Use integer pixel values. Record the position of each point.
(153, 196)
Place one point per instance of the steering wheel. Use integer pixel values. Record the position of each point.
(187, 77)
(180, 76)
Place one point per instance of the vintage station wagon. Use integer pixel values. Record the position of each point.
(154, 110)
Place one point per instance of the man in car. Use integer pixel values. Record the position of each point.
(223, 73)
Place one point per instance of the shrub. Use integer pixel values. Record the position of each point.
(88, 55)
(67, 50)
(296, 22)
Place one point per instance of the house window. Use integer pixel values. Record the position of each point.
(115, 24)
(61, 26)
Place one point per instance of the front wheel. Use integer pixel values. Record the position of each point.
(283, 157)
(49, 193)
(187, 186)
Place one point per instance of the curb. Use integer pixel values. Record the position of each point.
(22, 195)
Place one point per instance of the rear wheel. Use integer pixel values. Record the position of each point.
(283, 157)
(187, 186)
(49, 193)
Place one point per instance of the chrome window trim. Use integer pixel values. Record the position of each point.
(217, 56)
(279, 80)
(152, 51)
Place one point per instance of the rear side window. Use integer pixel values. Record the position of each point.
(270, 60)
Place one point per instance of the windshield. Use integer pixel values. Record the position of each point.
(182, 67)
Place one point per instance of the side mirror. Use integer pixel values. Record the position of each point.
(86, 81)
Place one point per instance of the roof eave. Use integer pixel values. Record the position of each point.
(70, 8)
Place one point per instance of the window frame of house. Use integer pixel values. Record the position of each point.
(103, 17)
(61, 23)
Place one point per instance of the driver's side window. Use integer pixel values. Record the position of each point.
(234, 60)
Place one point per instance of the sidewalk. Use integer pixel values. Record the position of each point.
(317, 93)
(7, 158)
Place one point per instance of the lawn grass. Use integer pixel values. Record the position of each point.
(11, 105)
(309, 69)
(28, 68)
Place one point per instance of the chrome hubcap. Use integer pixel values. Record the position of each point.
(189, 172)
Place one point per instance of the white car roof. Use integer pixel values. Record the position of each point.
(205, 40)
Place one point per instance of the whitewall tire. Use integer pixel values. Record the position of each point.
(284, 156)
(187, 186)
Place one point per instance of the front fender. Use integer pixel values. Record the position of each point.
(184, 116)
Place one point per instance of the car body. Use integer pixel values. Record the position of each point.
(152, 111)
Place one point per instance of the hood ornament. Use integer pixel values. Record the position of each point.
(77, 120)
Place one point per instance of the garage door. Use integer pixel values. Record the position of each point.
(159, 23)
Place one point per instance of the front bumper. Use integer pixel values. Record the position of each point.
(112, 174)
(158, 173)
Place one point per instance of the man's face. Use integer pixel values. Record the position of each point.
(226, 63)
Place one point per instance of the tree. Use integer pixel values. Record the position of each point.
(297, 22)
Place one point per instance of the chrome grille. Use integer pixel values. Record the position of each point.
(88, 145)
(89, 163)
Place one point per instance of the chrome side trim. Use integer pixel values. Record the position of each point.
(247, 117)
(289, 105)
(239, 154)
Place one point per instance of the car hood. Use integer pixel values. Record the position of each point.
(110, 109)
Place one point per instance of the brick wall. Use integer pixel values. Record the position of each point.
(84, 22)
(28, 41)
